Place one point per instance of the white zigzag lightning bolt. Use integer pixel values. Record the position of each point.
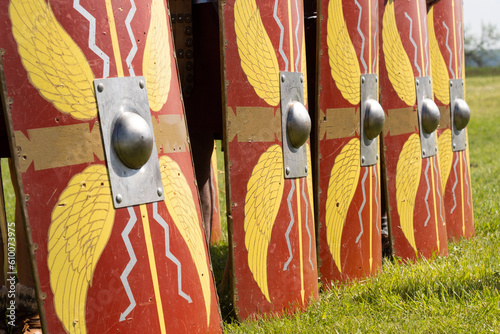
(292, 221)
(130, 264)
(362, 36)
(454, 185)
(168, 254)
(133, 50)
(414, 45)
(282, 33)
(92, 30)
(307, 225)
(362, 205)
(374, 70)
(439, 194)
(449, 50)
(427, 193)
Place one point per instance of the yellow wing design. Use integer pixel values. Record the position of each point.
(344, 180)
(81, 225)
(56, 66)
(181, 207)
(396, 60)
(258, 59)
(262, 202)
(408, 172)
(440, 77)
(344, 63)
(445, 156)
(156, 62)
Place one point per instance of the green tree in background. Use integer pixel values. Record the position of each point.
(479, 50)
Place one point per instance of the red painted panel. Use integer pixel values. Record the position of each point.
(101, 269)
(272, 230)
(350, 203)
(416, 210)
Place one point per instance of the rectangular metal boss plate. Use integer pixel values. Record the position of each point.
(369, 147)
(129, 186)
(294, 159)
(428, 142)
(458, 136)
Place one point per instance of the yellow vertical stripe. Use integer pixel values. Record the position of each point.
(455, 51)
(143, 208)
(114, 38)
(152, 265)
(421, 39)
(290, 32)
(434, 200)
(462, 190)
(371, 218)
(369, 36)
(301, 260)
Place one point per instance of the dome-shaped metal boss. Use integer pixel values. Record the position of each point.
(461, 114)
(374, 119)
(298, 124)
(430, 115)
(132, 140)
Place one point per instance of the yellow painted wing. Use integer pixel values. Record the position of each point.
(156, 65)
(440, 77)
(80, 227)
(344, 179)
(258, 59)
(181, 207)
(344, 63)
(397, 62)
(55, 65)
(445, 156)
(262, 202)
(408, 172)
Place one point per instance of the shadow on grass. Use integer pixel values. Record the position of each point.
(219, 254)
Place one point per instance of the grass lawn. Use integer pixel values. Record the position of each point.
(455, 294)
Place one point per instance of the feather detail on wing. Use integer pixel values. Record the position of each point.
(408, 172)
(397, 62)
(156, 64)
(262, 203)
(81, 224)
(440, 76)
(445, 156)
(344, 62)
(56, 66)
(181, 207)
(258, 58)
(344, 179)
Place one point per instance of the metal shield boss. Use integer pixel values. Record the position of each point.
(104, 167)
(350, 120)
(269, 183)
(447, 60)
(413, 176)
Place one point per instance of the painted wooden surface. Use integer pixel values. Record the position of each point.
(100, 269)
(416, 209)
(447, 59)
(271, 224)
(350, 203)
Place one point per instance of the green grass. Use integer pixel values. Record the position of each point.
(454, 294)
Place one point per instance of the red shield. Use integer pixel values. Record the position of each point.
(349, 223)
(416, 211)
(100, 269)
(271, 218)
(447, 60)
